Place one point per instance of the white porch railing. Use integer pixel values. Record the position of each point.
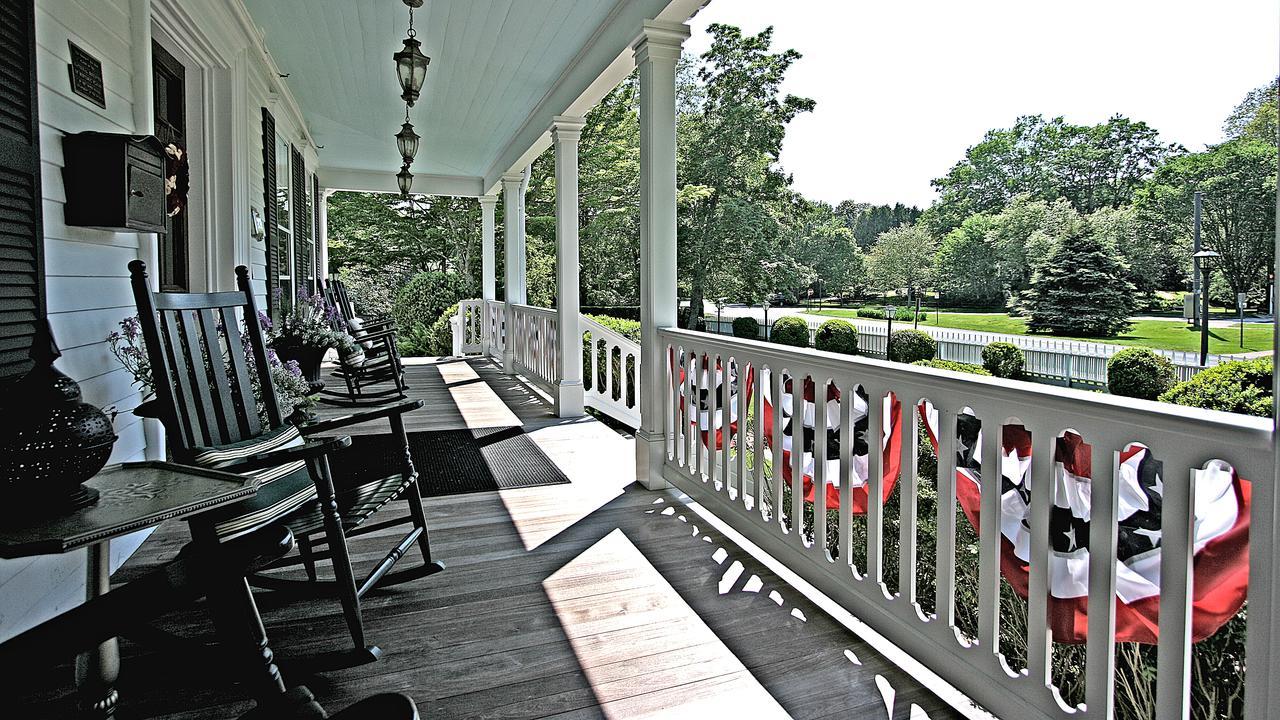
(611, 362)
(732, 480)
(533, 332)
(611, 378)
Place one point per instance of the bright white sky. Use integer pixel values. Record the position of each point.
(903, 87)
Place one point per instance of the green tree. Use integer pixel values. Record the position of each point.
(1238, 179)
(903, 258)
(730, 148)
(867, 222)
(1081, 289)
(1091, 166)
(1255, 117)
(966, 263)
(1022, 237)
(820, 240)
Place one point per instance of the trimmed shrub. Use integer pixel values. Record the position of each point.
(790, 330)
(746, 327)
(871, 313)
(1242, 386)
(426, 296)
(901, 314)
(1140, 373)
(953, 365)
(837, 336)
(908, 346)
(1003, 359)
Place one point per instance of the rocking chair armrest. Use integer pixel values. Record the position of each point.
(383, 411)
(380, 334)
(312, 448)
(375, 325)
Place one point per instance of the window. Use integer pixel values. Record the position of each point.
(284, 222)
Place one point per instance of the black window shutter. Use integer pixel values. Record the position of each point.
(269, 210)
(302, 220)
(315, 223)
(22, 301)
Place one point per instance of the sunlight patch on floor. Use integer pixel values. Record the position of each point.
(679, 667)
(479, 405)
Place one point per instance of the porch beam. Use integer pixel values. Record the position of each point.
(514, 256)
(566, 131)
(657, 51)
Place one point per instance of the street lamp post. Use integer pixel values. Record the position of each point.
(1203, 257)
(765, 304)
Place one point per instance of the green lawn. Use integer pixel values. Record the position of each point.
(1163, 334)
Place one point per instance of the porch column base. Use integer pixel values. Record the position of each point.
(651, 453)
(569, 399)
(508, 361)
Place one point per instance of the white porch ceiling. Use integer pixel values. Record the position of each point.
(500, 70)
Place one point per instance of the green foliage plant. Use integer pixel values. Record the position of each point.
(1140, 373)
(1081, 289)
(837, 336)
(1242, 386)
(953, 366)
(746, 327)
(908, 346)
(1003, 359)
(790, 330)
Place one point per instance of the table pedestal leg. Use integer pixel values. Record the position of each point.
(97, 670)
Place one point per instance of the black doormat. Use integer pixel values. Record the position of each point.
(451, 462)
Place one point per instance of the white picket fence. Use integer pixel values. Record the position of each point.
(1065, 362)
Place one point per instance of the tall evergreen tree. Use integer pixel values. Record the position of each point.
(1081, 289)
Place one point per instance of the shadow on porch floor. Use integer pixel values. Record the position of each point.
(589, 600)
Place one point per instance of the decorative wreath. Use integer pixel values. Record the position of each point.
(177, 181)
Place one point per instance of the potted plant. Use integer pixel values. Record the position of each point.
(305, 333)
(130, 350)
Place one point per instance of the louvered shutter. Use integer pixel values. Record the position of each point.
(22, 303)
(315, 224)
(269, 210)
(302, 222)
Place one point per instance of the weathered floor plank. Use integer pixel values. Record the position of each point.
(583, 600)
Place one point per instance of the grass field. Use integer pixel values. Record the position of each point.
(1162, 334)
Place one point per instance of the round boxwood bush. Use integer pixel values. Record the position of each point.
(1242, 386)
(791, 331)
(746, 327)
(953, 365)
(1003, 359)
(426, 296)
(908, 346)
(1140, 373)
(837, 336)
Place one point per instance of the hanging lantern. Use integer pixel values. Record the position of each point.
(407, 140)
(411, 64)
(404, 179)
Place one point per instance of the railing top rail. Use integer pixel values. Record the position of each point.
(601, 332)
(1141, 419)
(533, 310)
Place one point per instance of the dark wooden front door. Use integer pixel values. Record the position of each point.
(170, 86)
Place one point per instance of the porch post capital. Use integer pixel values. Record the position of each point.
(512, 180)
(567, 128)
(488, 201)
(659, 40)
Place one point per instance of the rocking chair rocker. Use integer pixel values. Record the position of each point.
(216, 417)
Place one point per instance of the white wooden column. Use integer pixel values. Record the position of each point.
(565, 133)
(322, 235)
(488, 266)
(657, 51)
(514, 255)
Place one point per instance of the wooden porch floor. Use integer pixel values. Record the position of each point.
(596, 599)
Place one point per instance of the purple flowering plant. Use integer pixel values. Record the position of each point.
(308, 322)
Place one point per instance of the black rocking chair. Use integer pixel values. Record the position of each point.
(202, 366)
(375, 361)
